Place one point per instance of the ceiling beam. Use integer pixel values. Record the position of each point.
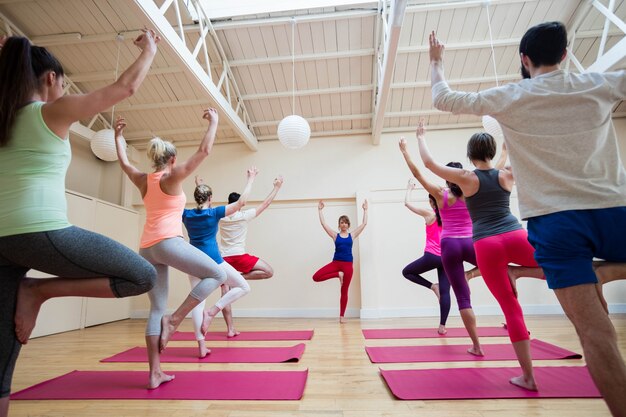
(109, 75)
(608, 59)
(286, 20)
(343, 117)
(302, 58)
(161, 105)
(152, 17)
(313, 92)
(390, 51)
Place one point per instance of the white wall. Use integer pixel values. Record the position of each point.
(343, 171)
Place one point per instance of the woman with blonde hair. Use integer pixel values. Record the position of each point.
(162, 242)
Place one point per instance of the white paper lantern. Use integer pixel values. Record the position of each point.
(103, 145)
(294, 132)
(492, 127)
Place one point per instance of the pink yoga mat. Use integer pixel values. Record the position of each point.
(131, 385)
(431, 333)
(217, 355)
(481, 383)
(452, 353)
(249, 336)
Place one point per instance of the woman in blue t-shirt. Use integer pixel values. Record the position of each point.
(341, 266)
(202, 225)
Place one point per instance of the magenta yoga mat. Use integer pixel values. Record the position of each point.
(431, 333)
(483, 383)
(131, 385)
(217, 355)
(248, 336)
(453, 353)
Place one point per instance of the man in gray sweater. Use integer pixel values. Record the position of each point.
(570, 179)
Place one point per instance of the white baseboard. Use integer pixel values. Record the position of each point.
(529, 310)
(272, 312)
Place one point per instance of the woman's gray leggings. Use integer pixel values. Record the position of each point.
(179, 254)
(71, 252)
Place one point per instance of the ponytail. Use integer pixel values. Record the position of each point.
(435, 208)
(21, 68)
(17, 82)
(160, 151)
(455, 189)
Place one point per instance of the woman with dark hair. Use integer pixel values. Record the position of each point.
(431, 258)
(35, 120)
(456, 240)
(202, 223)
(162, 242)
(341, 266)
(498, 236)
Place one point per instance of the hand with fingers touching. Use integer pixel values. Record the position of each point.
(120, 124)
(411, 185)
(148, 40)
(436, 48)
(420, 132)
(252, 172)
(320, 205)
(198, 180)
(402, 144)
(365, 205)
(278, 181)
(211, 115)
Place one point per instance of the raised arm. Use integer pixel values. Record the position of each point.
(327, 228)
(136, 176)
(61, 113)
(462, 177)
(429, 186)
(504, 155)
(428, 215)
(182, 171)
(243, 199)
(359, 229)
(278, 182)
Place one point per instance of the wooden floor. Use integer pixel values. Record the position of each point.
(342, 381)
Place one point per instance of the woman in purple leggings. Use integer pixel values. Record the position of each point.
(456, 240)
(431, 258)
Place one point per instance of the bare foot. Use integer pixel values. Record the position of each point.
(435, 288)
(442, 330)
(206, 321)
(342, 319)
(521, 382)
(158, 378)
(202, 349)
(475, 351)
(512, 280)
(27, 308)
(472, 273)
(233, 333)
(167, 329)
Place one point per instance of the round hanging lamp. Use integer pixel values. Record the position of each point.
(103, 145)
(492, 127)
(293, 131)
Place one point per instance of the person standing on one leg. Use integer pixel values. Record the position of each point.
(162, 242)
(35, 152)
(233, 232)
(456, 242)
(571, 182)
(341, 266)
(431, 258)
(499, 238)
(201, 224)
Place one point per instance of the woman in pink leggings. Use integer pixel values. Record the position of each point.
(498, 236)
(341, 266)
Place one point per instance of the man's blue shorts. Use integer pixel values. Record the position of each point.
(567, 241)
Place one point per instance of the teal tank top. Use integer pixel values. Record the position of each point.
(32, 176)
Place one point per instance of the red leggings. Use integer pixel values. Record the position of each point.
(493, 255)
(332, 271)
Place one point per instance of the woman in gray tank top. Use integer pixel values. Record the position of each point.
(498, 236)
